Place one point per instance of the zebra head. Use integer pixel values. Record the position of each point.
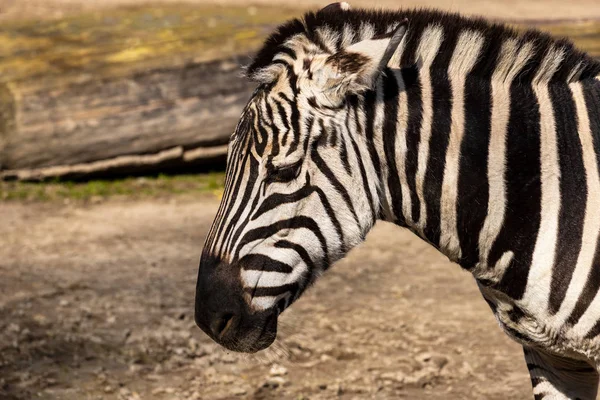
(297, 194)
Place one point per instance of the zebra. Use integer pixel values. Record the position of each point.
(482, 140)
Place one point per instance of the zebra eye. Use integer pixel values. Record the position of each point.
(285, 173)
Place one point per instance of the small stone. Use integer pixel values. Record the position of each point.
(439, 361)
(325, 358)
(63, 303)
(278, 370)
(179, 351)
(393, 377)
(238, 391)
(274, 382)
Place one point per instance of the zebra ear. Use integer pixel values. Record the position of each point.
(341, 6)
(357, 67)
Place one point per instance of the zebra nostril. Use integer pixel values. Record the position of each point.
(221, 324)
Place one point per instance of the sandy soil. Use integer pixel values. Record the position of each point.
(96, 302)
(502, 9)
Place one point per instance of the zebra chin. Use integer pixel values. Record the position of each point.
(223, 310)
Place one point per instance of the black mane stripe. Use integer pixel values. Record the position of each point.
(383, 21)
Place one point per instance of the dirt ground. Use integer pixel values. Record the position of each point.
(502, 9)
(96, 302)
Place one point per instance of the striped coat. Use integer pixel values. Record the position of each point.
(483, 141)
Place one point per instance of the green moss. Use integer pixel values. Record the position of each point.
(127, 40)
(134, 188)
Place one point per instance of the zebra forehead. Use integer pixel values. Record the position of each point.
(330, 30)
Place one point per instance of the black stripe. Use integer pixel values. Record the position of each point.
(440, 134)
(413, 38)
(333, 134)
(363, 173)
(296, 140)
(299, 222)
(288, 51)
(414, 101)
(260, 137)
(326, 171)
(390, 135)
(531, 366)
(473, 185)
(277, 199)
(295, 120)
(272, 291)
(523, 190)
(370, 108)
(344, 155)
(260, 262)
(595, 331)
(573, 193)
(282, 113)
(274, 129)
(285, 244)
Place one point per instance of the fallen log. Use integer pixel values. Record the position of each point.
(193, 106)
(131, 164)
(130, 82)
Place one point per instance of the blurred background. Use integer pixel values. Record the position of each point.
(114, 120)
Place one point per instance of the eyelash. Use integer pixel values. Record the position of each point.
(284, 174)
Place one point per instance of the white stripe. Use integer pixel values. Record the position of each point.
(366, 31)
(511, 62)
(591, 222)
(426, 52)
(266, 302)
(537, 291)
(329, 38)
(347, 36)
(400, 148)
(464, 58)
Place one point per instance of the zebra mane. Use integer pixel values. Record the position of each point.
(326, 28)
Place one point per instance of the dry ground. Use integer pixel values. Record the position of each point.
(96, 302)
(504, 9)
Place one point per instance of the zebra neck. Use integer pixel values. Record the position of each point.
(468, 163)
(435, 132)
